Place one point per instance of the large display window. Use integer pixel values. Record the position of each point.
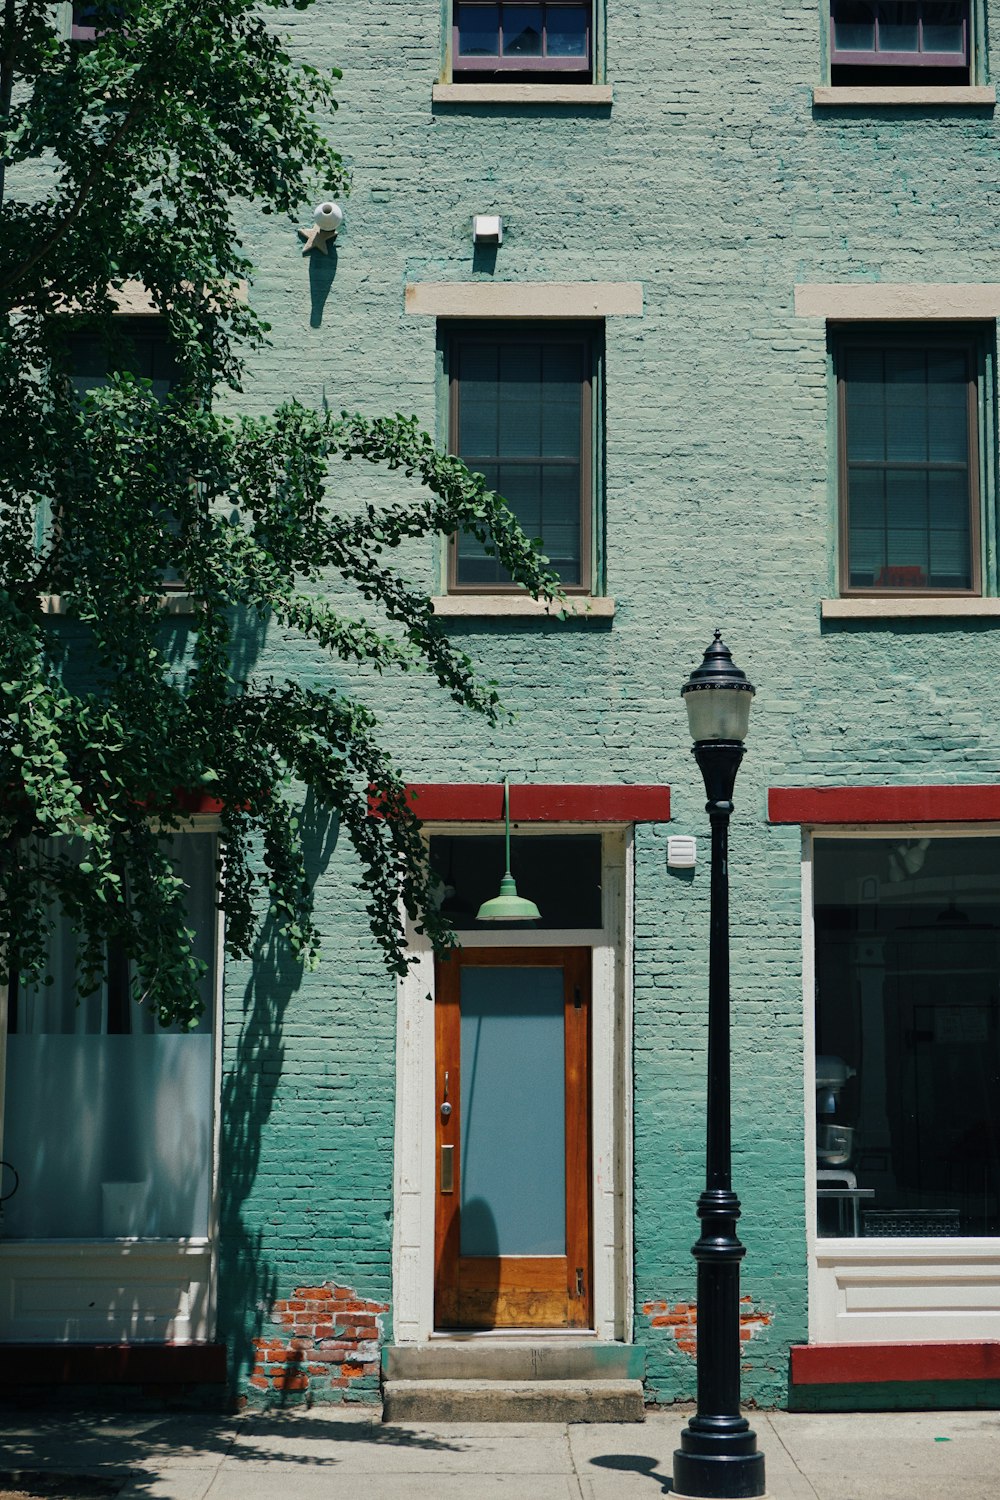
(907, 1060)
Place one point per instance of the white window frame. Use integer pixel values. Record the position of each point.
(897, 1291)
(55, 1290)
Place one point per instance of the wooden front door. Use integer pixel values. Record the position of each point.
(512, 1240)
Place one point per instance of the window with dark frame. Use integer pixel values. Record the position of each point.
(142, 347)
(908, 451)
(501, 37)
(520, 415)
(900, 42)
(90, 21)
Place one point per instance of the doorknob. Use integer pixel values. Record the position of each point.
(445, 1106)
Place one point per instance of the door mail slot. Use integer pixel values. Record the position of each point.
(447, 1169)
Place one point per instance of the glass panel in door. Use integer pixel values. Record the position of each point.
(513, 1199)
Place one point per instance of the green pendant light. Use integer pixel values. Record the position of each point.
(508, 906)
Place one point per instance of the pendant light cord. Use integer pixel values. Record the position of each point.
(506, 814)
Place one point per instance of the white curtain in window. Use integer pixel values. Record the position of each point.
(111, 1134)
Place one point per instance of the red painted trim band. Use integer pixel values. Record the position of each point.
(867, 1364)
(482, 802)
(198, 803)
(883, 804)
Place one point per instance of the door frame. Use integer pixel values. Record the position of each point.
(507, 1275)
(415, 1159)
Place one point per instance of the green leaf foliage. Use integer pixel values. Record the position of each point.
(134, 157)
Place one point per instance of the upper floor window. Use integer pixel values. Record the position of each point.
(900, 41)
(141, 347)
(909, 492)
(521, 413)
(491, 37)
(91, 18)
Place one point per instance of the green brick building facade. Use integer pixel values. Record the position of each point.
(721, 218)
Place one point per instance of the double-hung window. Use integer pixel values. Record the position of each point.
(507, 38)
(521, 414)
(900, 42)
(909, 461)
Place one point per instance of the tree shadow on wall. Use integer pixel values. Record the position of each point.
(251, 1074)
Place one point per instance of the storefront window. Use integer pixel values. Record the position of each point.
(108, 1115)
(907, 1037)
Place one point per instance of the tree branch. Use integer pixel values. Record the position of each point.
(7, 61)
(79, 203)
(159, 69)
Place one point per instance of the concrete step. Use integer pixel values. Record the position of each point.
(550, 1400)
(514, 1359)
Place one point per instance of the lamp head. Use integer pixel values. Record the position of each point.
(717, 696)
(509, 906)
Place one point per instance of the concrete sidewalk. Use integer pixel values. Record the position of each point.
(335, 1453)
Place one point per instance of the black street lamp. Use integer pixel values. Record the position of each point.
(718, 1456)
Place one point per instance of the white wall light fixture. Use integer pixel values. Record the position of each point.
(487, 229)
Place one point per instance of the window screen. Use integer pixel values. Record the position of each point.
(141, 347)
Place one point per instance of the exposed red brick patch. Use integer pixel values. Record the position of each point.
(326, 1339)
(681, 1319)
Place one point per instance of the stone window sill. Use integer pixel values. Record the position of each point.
(909, 608)
(177, 603)
(518, 607)
(522, 93)
(827, 96)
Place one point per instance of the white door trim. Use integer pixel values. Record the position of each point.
(611, 1105)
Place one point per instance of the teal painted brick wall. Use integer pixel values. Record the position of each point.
(714, 182)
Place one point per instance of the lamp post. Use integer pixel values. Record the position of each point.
(718, 1456)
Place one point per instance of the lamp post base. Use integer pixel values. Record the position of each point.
(720, 1465)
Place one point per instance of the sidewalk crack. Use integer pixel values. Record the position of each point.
(574, 1471)
(791, 1457)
